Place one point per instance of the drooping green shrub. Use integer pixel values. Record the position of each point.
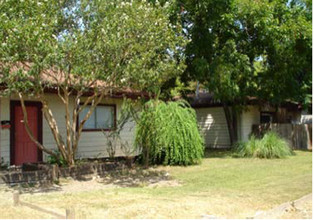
(270, 146)
(167, 133)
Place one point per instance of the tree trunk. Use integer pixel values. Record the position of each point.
(29, 131)
(231, 118)
(67, 149)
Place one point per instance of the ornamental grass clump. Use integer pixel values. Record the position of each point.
(270, 146)
(167, 133)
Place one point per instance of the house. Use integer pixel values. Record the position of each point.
(213, 124)
(17, 148)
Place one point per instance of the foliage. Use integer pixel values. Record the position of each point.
(270, 146)
(248, 48)
(84, 48)
(241, 48)
(51, 159)
(167, 133)
(3, 165)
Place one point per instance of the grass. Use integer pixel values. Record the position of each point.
(223, 186)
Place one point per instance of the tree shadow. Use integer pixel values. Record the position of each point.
(218, 153)
(32, 188)
(136, 177)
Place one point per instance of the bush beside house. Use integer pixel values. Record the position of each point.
(270, 146)
(167, 133)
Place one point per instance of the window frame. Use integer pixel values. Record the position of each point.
(100, 129)
(271, 114)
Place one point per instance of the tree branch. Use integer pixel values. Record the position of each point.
(95, 102)
(53, 127)
(29, 131)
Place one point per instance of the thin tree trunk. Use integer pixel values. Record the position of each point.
(231, 122)
(68, 129)
(95, 102)
(73, 133)
(235, 123)
(29, 131)
(54, 128)
(76, 111)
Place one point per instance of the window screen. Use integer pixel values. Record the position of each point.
(101, 118)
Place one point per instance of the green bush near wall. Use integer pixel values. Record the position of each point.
(270, 146)
(167, 133)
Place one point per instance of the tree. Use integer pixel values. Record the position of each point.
(85, 50)
(242, 48)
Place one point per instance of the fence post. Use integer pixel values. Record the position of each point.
(55, 171)
(308, 129)
(70, 214)
(16, 198)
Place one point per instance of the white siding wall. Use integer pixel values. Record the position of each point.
(248, 118)
(5, 133)
(58, 112)
(92, 144)
(213, 124)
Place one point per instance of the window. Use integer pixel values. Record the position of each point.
(102, 118)
(266, 117)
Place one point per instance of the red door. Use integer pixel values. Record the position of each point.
(25, 150)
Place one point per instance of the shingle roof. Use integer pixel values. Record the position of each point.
(53, 77)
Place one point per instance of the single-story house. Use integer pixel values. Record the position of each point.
(16, 147)
(213, 124)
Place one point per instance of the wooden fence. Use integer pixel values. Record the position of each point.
(299, 136)
(69, 213)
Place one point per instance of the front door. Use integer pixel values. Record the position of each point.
(24, 150)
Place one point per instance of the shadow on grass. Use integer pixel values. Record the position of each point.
(303, 150)
(137, 177)
(218, 153)
(32, 188)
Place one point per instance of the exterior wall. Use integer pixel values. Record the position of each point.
(247, 119)
(92, 143)
(214, 127)
(5, 133)
(213, 124)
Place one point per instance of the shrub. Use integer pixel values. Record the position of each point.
(270, 146)
(167, 133)
(54, 160)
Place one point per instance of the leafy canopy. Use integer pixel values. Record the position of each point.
(243, 48)
(84, 48)
(124, 43)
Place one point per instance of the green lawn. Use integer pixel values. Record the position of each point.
(222, 186)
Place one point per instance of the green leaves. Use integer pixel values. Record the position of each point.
(123, 43)
(167, 133)
(243, 48)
